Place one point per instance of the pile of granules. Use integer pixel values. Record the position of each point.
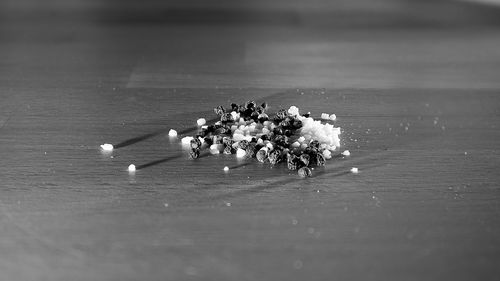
(286, 136)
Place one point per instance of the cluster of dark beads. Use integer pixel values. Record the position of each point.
(286, 126)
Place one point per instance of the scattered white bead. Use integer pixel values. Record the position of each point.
(325, 116)
(240, 153)
(107, 147)
(186, 140)
(216, 148)
(346, 153)
(226, 169)
(235, 115)
(354, 170)
(201, 121)
(333, 117)
(293, 110)
(296, 144)
(327, 154)
(131, 168)
(172, 133)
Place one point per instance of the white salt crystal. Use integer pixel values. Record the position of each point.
(201, 121)
(325, 116)
(301, 139)
(354, 170)
(107, 147)
(346, 153)
(172, 133)
(293, 110)
(333, 117)
(238, 137)
(327, 154)
(216, 148)
(296, 144)
(235, 115)
(240, 153)
(226, 168)
(131, 168)
(186, 140)
(270, 146)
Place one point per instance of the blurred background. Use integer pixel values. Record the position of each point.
(273, 44)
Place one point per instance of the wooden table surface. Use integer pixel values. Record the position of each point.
(415, 87)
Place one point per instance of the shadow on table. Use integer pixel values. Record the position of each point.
(147, 136)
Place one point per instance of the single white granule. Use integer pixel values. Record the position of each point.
(201, 121)
(354, 170)
(226, 169)
(186, 140)
(240, 153)
(346, 153)
(296, 144)
(235, 115)
(333, 117)
(293, 110)
(327, 154)
(216, 148)
(301, 139)
(131, 168)
(172, 133)
(238, 137)
(107, 147)
(325, 116)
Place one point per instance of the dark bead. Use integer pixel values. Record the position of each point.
(250, 151)
(314, 144)
(234, 107)
(195, 143)
(262, 117)
(285, 123)
(194, 153)
(250, 104)
(274, 157)
(292, 165)
(304, 172)
(261, 155)
(243, 144)
(229, 150)
(219, 110)
(320, 159)
(281, 114)
(226, 117)
(304, 159)
(208, 140)
(297, 124)
(278, 131)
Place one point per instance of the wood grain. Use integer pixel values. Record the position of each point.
(418, 107)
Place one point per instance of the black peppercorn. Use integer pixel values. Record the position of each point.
(304, 172)
(261, 155)
(219, 110)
